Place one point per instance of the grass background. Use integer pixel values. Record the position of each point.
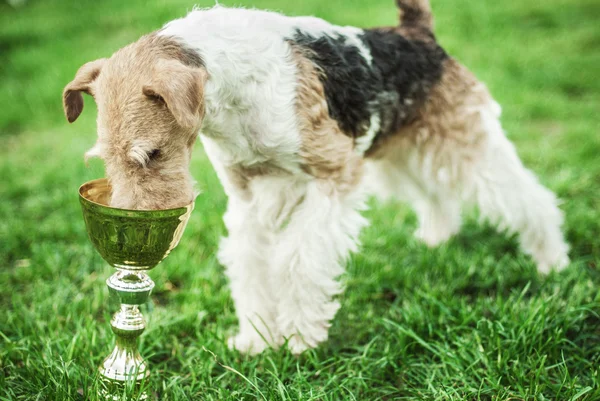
(470, 320)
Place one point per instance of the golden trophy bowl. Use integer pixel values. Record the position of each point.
(132, 241)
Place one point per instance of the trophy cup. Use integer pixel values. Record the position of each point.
(132, 241)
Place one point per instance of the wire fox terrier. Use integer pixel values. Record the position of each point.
(302, 120)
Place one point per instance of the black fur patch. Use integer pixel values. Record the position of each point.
(394, 85)
(407, 70)
(348, 80)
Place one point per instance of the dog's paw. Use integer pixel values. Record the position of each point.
(546, 265)
(248, 343)
(552, 257)
(433, 238)
(296, 345)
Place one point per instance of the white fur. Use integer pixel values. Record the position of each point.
(510, 195)
(139, 153)
(95, 151)
(364, 142)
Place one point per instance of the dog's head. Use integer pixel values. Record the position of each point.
(150, 99)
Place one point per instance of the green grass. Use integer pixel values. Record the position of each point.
(468, 321)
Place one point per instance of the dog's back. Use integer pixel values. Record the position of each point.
(375, 80)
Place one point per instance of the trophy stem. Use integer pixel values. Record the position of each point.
(125, 362)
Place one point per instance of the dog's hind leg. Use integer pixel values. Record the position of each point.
(456, 153)
(510, 195)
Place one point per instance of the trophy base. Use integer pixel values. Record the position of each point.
(124, 370)
(124, 365)
(114, 390)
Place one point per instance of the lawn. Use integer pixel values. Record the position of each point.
(470, 320)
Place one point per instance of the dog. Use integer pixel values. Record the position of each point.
(302, 121)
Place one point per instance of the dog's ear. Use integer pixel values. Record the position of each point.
(181, 88)
(72, 99)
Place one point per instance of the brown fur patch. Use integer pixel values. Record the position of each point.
(415, 12)
(241, 176)
(446, 114)
(172, 49)
(326, 152)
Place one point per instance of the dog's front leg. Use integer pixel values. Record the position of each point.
(309, 255)
(244, 253)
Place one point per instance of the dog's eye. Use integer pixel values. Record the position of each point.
(152, 95)
(157, 98)
(154, 154)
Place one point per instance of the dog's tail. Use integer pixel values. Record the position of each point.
(415, 13)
